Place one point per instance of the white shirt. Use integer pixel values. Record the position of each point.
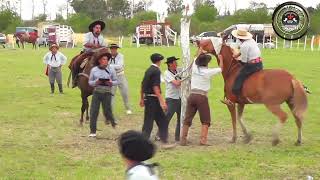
(117, 63)
(54, 60)
(90, 38)
(201, 77)
(172, 91)
(249, 50)
(141, 172)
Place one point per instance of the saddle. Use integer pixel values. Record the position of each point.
(78, 64)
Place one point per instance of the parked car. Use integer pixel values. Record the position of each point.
(3, 40)
(204, 35)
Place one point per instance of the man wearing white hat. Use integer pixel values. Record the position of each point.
(249, 58)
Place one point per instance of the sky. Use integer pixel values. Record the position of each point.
(157, 5)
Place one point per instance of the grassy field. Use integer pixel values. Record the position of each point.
(41, 139)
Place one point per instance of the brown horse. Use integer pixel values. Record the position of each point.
(26, 37)
(83, 84)
(270, 87)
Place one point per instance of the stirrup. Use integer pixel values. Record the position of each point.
(227, 102)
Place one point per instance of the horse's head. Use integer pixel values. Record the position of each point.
(212, 46)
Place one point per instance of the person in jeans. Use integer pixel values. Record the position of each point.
(102, 78)
(173, 95)
(198, 99)
(54, 61)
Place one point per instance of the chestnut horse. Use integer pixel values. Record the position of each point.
(26, 37)
(270, 87)
(83, 82)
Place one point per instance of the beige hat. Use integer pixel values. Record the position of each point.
(53, 46)
(241, 34)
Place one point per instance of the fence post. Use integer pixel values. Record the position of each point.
(276, 42)
(291, 43)
(298, 44)
(312, 41)
(263, 41)
(284, 42)
(305, 42)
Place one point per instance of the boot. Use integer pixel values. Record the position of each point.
(52, 87)
(204, 135)
(183, 139)
(60, 88)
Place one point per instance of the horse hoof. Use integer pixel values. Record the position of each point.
(298, 143)
(247, 138)
(233, 140)
(275, 142)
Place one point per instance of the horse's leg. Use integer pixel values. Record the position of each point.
(276, 110)
(298, 123)
(87, 109)
(83, 108)
(232, 110)
(247, 136)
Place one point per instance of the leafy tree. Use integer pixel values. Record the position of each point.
(206, 13)
(174, 6)
(95, 9)
(79, 22)
(9, 20)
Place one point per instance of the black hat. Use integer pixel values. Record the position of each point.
(135, 146)
(171, 59)
(203, 60)
(92, 25)
(113, 45)
(99, 56)
(156, 57)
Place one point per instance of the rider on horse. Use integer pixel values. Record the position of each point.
(93, 41)
(249, 58)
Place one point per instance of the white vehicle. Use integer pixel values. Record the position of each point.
(203, 35)
(3, 40)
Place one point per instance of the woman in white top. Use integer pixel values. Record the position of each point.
(136, 148)
(198, 100)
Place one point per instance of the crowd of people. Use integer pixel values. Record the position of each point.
(108, 74)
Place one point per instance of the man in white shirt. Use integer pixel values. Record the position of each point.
(173, 95)
(250, 57)
(94, 39)
(54, 61)
(198, 100)
(117, 62)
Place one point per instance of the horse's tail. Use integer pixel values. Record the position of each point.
(299, 99)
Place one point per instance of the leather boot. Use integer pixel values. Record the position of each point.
(52, 88)
(60, 88)
(204, 135)
(183, 139)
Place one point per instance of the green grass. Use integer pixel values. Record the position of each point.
(41, 139)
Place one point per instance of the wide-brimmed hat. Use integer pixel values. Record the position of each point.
(99, 56)
(135, 146)
(53, 46)
(171, 59)
(241, 34)
(203, 60)
(156, 57)
(113, 45)
(101, 23)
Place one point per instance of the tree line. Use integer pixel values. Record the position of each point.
(122, 17)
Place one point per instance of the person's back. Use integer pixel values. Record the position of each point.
(141, 172)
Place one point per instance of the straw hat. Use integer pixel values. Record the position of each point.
(241, 34)
(53, 46)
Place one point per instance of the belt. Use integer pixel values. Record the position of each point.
(254, 61)
(199, 92)
(150, 95)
